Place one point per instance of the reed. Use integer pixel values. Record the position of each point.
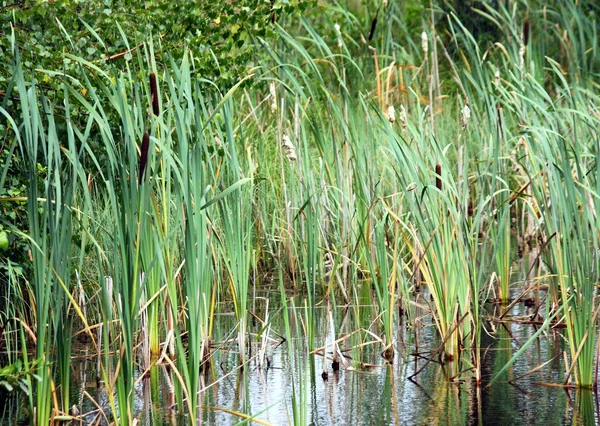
(237, 226)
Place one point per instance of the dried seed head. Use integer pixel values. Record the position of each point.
(273, 96)
(154, 93)
(466, 116)
(438, 176)
(402, 116)
(521, 55)
(288, 148)
(424, 42)
(497, 76)
(218, 142)
(109, 289)
(391, 113)
(338, 31)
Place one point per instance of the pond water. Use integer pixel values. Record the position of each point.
(380, 394)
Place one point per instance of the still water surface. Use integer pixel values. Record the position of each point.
(379, 395)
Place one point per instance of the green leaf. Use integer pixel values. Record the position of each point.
(232, 188)
(3, 240)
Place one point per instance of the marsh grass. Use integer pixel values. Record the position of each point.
(172, 200)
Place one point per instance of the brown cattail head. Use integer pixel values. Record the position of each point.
(526, 32)
(273, 14)
(374, 24)
(154, 93)
(144, 156)
(499, 111)
(438, 176)
(373, 27)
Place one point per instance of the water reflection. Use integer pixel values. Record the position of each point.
(379, 395)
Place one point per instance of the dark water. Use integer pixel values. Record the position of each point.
(379, 395)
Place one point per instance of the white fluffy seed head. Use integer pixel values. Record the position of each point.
(521, 55)
(402, 116)
(466, 116)
(273, 95)
(288, 148)
(338, 31)
(424, 42)
(391, 113)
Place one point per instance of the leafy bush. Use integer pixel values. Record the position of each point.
(220, 32)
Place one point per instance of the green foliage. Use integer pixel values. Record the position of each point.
(13, 209)
(16, 377)
(220, 33)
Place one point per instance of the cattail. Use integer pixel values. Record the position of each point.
(373, 27)
(521, 55)
(154, 93)
(288, 148)
(402, 116)
(526, 32)
(144, 156)
(500, 127)
(424, 43)
(391, 113)
(438, 176)
(466, 116)
(273, 14)
(338, 31)
(273, 95)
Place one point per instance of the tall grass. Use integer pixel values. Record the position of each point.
(179, 195)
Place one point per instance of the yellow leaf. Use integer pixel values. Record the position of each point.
(235, 28)
(217, 21)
